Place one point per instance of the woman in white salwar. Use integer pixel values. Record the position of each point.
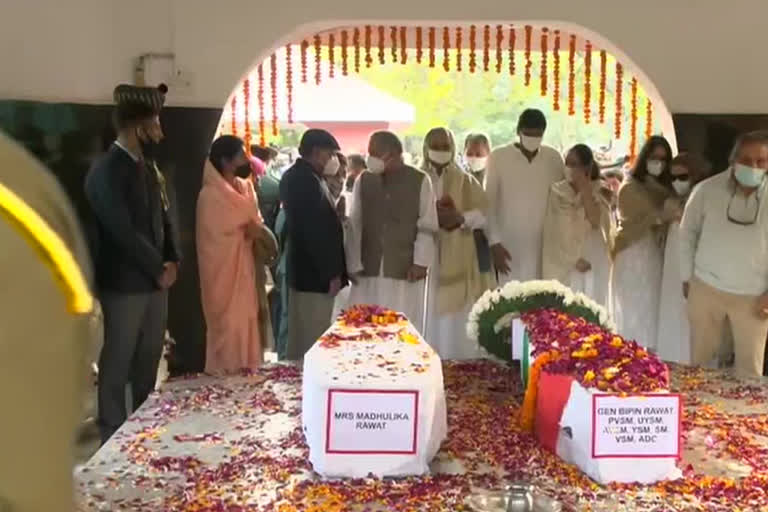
(674, 332)
(455, 281)
(577, 228)
(644, 211)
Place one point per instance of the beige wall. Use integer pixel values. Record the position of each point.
(701, 54)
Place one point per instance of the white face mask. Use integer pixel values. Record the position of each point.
(530, 143)
(681, 187)
(439, 157)
(375, 164)
(477, 163)
(654, 167)
(331, 166)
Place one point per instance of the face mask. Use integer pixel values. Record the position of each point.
(331, 166)
(654, 167)
(681, 187)
(375, 164)
(439, 157)
(747, 176)
(530, 143)
(477, 163)
(244, 170)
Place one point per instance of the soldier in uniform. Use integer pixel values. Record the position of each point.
(136, 255)
(44, 339)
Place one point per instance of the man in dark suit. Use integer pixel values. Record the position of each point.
(136, 256)
(316, 269)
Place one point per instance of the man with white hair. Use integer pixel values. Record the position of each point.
(724, 257)
(392, 221)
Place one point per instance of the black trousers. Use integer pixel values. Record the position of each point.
(134, 331)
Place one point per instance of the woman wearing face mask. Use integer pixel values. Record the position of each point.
(674, 331)
(644, 213)
(229, 231)
(477, 149)
(456, 279)
(577, 228)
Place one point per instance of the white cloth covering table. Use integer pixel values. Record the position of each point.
(389, 417)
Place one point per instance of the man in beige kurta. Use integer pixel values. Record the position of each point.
(44, 339)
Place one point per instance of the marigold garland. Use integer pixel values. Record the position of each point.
(260, 100)
(382, 60)
(556, 72)
(368, 57)
(528, 63)
(403, 45)
(633, 122)
(246, 100)
(234, 115)
(603, 82)
(648, 118)
(303, 56)
(588, 83)
(344, 53)
(528, 409)
(446, 47)
(288, 83)
(393, 43)
(318, 63)
(419, 42)
(543, 72)
(499, 41)
(458, 48)
(486, 47)
(572, 76)
(356, 44)
(472, 48)
(511, 50)
(431, 47)
(331, 56)
(273, 86)
(619, 92)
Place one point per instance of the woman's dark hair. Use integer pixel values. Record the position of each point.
(587, 159)
(639, 170)
(226, 146)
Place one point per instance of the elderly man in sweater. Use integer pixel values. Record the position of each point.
(724, 257)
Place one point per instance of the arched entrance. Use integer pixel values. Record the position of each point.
(579, 75)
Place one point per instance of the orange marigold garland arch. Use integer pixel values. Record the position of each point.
(543, 72)
(260, 99)
(528, 63)
(472, 49)
(588, 83)
(458, 49)
(394, 40)
(556, 73)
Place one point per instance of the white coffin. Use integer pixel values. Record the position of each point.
(576, 445)
(373, 407)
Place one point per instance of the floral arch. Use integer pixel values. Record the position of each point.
(266, 97)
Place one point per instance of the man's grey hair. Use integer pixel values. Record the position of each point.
(747, 139)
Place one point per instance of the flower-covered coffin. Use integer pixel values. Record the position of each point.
(600, 402)
(373, 400)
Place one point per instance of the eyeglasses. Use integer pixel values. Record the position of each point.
(741, 222)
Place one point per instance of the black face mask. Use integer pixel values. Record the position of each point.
(243, 171)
